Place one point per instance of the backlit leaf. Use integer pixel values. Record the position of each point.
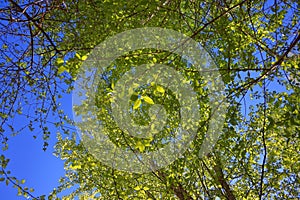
(137, 104)
(147, 99)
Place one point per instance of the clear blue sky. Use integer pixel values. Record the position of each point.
(28, 161)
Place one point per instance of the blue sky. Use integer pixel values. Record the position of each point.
(41, 169)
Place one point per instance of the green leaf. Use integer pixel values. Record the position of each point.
(160, 89)
(74, 167)
(19, 192)
(137, 188)
(112, 85)
(62, 69)
(148, 100)
(60, 61)
(78, 56)
(140, 146)
(84, 57)
(137, 104)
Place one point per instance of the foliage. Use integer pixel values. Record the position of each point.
(30, 85)
(254, 43)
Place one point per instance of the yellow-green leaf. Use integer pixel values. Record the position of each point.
(112, 85)
(61, 69)
(74, 167)
(137, 104)
(60, 61)
(140, 146)
(84, 57)
(137, 188)
(160, 89)
(147, 99)
(78, 56)
(146, 188)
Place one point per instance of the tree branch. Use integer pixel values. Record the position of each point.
(220, 177)
(178, 189)
(38, 26)
(17, 185)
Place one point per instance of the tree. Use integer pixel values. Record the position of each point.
(255, 46)
(30, 83)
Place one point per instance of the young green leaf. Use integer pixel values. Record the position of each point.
(137, 104)
(61, 69)
(160, 89)
(78, 56)
(140, 146)
(60, 61)
(137, 188)
(148, 100)
(84, 57)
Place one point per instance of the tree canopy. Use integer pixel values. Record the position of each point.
(254, 46)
